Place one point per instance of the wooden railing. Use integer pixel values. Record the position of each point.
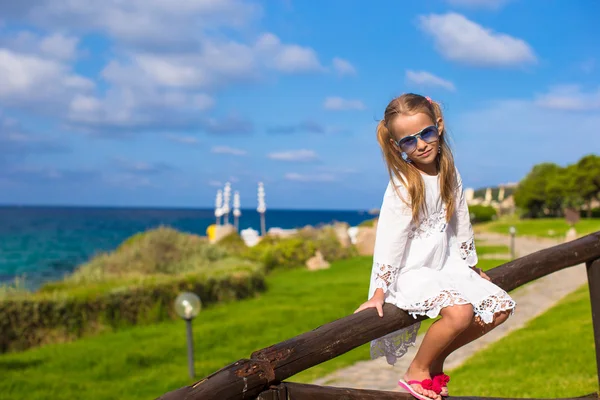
(262, 375)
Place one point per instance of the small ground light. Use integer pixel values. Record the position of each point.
(188, 306)
(513, 231)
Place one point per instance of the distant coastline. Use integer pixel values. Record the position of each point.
(47, 242)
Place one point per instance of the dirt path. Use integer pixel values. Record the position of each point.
(532, 300)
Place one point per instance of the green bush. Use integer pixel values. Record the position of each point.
(233, 244)
(595, 213)
(294, 251)
(60, 316)
(481, 213)
(369, 223)
(157, 251)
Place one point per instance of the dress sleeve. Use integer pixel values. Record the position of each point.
(393, 226)
(465, 239)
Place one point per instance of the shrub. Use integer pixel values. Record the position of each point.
(275, 252)
(158, 251)
(233, 244)
(59, 316)
(481, 213)
(595, 213)
(369, 223)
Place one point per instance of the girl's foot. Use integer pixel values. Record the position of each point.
(437, 374)
(417, 381)
(441, 380)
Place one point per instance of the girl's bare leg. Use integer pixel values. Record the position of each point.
(476, 329)
(455, 319)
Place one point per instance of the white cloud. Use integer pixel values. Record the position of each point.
(490, 4)
(142, 107)
(27, 79)
(17, 144)
(183, 139)
(425, 78)
(289, 58)
(227, 150)
(59, 46)
(135, 21)
(170, 59)
(294, 155)
(55, 46)
(343, 67)
(129, 166)
(216, 63)
(569, 98)
(338, 103)
(321, 177)
(459, 39)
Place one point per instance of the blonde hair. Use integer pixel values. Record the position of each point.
(407, 173)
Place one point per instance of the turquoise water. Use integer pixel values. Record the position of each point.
(46, 243)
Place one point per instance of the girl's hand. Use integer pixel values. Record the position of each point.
(374, 302)
(481, 273)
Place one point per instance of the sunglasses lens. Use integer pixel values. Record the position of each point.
(408, 144)
(430, 135)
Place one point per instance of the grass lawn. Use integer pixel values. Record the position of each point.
(552, 356)
(146, 361)
(545, 227)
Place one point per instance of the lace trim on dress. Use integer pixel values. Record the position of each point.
(432, 307)
(384, 275)
(435, 222)
(468, 252)
(498, 302)
(396, 344)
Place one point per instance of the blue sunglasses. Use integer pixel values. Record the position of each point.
(408, 144)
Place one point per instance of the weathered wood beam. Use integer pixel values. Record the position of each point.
(280, 361)
(300, 391)
(526, 269)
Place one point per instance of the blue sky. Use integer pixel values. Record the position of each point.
(160, 102)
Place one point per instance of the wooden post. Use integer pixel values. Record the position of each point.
(593, 273)
(274, 393)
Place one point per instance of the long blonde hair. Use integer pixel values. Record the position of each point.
(407, 173)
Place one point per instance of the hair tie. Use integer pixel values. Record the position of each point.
(428, 99)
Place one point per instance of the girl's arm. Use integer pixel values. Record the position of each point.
(393, 226)
(464, 229)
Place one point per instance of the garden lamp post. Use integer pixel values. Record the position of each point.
(236, 210)
(262, 208)
(187, 306)
(226, 199)
(513, 231)
(218, 206)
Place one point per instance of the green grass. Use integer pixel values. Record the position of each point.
(146, 361)
(546, 227)
(492, 249)
(552, 356)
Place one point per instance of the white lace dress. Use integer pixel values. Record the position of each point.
(425, 267)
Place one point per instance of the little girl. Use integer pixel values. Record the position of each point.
(425, 260)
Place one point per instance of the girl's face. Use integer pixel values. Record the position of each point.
(418, 137)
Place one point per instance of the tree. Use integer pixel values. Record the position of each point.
(533, 195)
(588, 179)
(548, 188)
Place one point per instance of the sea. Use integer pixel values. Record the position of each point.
(40, 244)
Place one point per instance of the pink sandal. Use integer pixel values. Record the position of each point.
(427, 384)
(442, 380)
